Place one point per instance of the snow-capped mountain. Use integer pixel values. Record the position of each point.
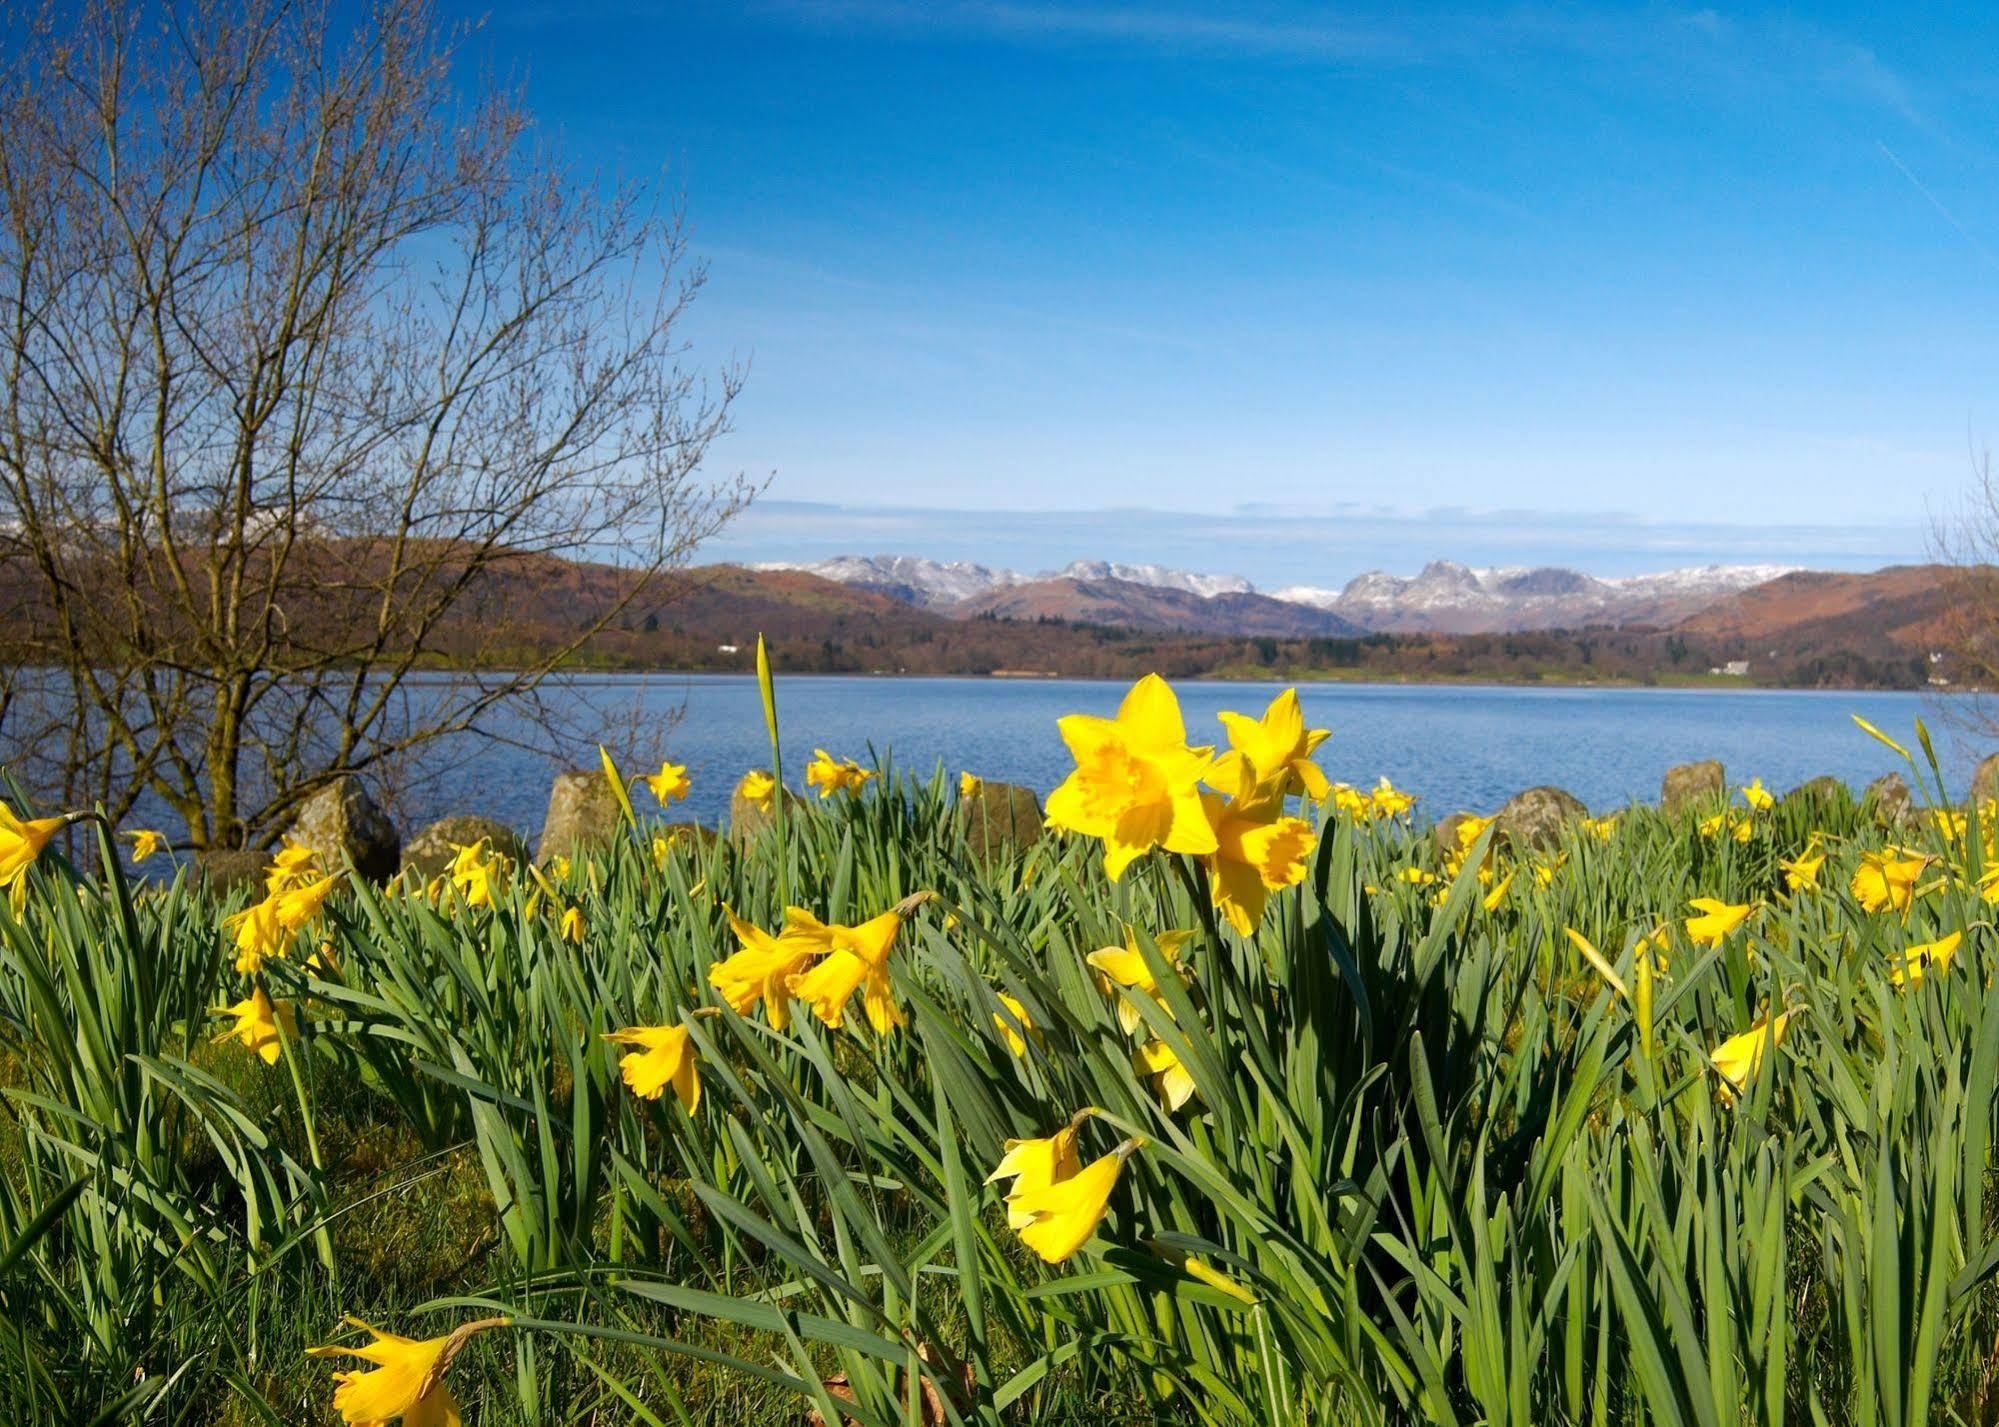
(1444, 597)
(1448, 598)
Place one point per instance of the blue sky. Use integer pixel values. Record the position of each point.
(1623, 288)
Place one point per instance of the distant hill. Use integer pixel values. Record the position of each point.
(1129, 605)
(1905, 605)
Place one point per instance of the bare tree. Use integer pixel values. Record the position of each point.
(1965, 546)
(314, 373)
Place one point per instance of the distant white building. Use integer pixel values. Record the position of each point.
(1734, 669)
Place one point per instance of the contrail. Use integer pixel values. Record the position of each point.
(1936, 203)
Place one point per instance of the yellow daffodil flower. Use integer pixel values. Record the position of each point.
(1603, 829)
(1033, 1165)
(1271, 756)
(293, 863)
(1389, 801)
(856, 958)
(1135, 785)
(257, 1022)
(1258, 850)
(1171, 1080)
(1063, 1215)
(832, 775)
(1015, 1025)
(1497, 895)
(407, 1381)
(763, 969)
(669, 784)
(297, 906)
(258, 934)
(758, 789)
(1713, 920)
(1886, 880)
(1758, 797)
(571, 926)
(21, 842)
(664, 1057)
(1417, 876)
(1736, 1059)
(970, 785)
(662, 846)
(145, 843)
(478, 874)
(1126, 966)
(1801, 873)
(1914, 962)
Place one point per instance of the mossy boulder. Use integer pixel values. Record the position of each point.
(1887, 800)
(225, 871)
(341, 824)
(430, 851)
(583, 813)
(998, 819)
(1535, 818)
(1693, 785)
(1815, 797)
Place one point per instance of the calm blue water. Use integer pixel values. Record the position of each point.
(1456, 747)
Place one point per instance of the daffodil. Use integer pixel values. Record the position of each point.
(1714, 919)
(1126, 966)
(293, 863)
(1738, 1058)
(1603, 829)
(832, 775)
(1014, 1025)
(297, 906)
(970, 785)
(1497, 896)
(662, 846)
(1886, 880)
(145, 843)
(669, 784)
(1912, 963)
(758, 789)
(856, 959)
(1801, 873)
(663, 1057)
(1170, 1079)
(1062, 1216)
(21, 842)
(257, 1022)
(1135, 785)
(258, 935)
(478, 874)
(1035, 1164)
(1257, 851)
(1271, 755)
(1417, 876)
(762, 970)
(1758, 796)
(407, 1381)
(571, 926)
(1389, 801)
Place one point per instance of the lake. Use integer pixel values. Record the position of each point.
(1454, 746)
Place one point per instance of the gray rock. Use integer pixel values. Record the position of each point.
(1693, 785)
(342, 824)
(430, 852)
(583, 813)
(1888, 799)
(228, 870)
(1985, 780)
(1535, 818)
(999, 819)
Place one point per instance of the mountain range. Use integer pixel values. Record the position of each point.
(1443, 598)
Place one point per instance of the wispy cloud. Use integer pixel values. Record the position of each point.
(1280, 545)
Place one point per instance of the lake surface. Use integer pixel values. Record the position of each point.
(1455, 747)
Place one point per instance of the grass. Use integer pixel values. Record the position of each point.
(1437, 1166)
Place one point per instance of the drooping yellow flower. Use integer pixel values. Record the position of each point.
(571, 927)
(1033, 1165)
(21, 842)
(145, 843)
(1135, 785)
(664, 1057)
(292, 865)
(662, 846)
(1171, 1080)
(1546, 868)
(1886, 880)
(1271, 756)
(1739, 1057)
(1015, 1025)
(855, 959)
(258, 934)
(1497, 896)
(1126, 966)
(1389, 801)
(1758, 796)
(1258, 850)
(762, 970)
(970, 785)
(257, 1022)
(1714, 919)
(478, 873)
(1914, 962)
(1727, 822)
(407, 1381)
(758, 789)
(669, 784)
(297, 906)
(1603, 829)
(832, 775)
(1801, 873)
(1417, 876)
(1351, 802)
(1063, 1215)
